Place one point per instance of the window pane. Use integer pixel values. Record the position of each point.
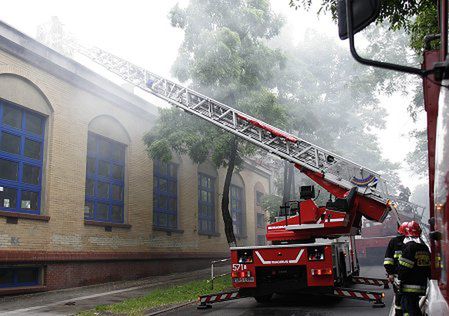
(29, 200)
(88, 209)
(117, 172)
(90, 166)
(12, 116)
(27, 275)
(6, 276)
(91, 144)
(172, 187)
(8, 197)
(10, 143)
(172, 170)
(117, 213)
(30, 174)
(117, 192)
(163, 219)
(118, 152)
(90, 187)
(103, 190)
(32, 149)
(9, 170)
(162, 202)
(204, 196)
(102, 211)
(172, 204)
(171, 220)
(103, 168)
(162, 185)
(103, 147)
(33, 123)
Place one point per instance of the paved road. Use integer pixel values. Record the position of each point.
(298, 306)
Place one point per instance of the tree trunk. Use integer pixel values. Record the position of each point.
(227, 219)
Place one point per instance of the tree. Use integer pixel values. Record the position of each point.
(224, 56)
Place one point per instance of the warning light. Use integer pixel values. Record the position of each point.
(321, 272)
(234, 274)
(242, 274)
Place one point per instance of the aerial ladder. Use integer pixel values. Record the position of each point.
(312, 247)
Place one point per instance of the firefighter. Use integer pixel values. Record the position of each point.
(413, 269)
(392, 255)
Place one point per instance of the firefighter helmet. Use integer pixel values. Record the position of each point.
(412, 229)
(401, 228)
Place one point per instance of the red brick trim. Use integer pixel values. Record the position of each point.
(105, 224)
(10, 256)
(22, 290)
(24, 215)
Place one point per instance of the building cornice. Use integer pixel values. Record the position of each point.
(35, 53)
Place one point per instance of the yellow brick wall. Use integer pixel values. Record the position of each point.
(64, 185)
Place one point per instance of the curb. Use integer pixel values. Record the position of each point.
(169, 309)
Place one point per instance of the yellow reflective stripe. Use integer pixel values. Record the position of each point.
(388, 261)
(397, 255)
(405, 264)
(406, 290)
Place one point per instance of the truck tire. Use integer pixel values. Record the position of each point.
(263, 298)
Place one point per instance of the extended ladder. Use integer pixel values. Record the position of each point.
(335, 169)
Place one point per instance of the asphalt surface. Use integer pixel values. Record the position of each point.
(294, 305)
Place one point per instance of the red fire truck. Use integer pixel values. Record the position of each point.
(374, 237)
(312, 246)
(355, 15)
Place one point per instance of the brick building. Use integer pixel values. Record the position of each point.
(80, 201)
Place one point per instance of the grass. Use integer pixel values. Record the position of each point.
(171, 295)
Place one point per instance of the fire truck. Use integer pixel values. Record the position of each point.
(374, 237)
(354, 16)
(312, 246)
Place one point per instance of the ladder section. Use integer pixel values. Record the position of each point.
(335, 169)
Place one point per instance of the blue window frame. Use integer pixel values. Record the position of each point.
(19, 276)
(165, 195)
(105, 173)
(237, 210)
(21, 155)
(206, 204)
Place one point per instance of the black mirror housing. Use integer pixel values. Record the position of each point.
(364, 13)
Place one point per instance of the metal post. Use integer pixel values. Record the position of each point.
(212, 275)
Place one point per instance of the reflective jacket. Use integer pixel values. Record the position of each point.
(414, 268)
(393, 253)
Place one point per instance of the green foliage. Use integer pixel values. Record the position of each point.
(270, 204)
(225, 56)
(417, 158)
(417, 18)
(171, 295)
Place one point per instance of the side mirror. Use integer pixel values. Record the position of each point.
(364, 12)
(354, 16)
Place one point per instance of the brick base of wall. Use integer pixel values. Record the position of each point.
(73, 270)
(73, 274)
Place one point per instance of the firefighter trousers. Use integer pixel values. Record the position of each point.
(397, 298)
(410, 304)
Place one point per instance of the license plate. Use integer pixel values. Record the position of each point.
(243, 280)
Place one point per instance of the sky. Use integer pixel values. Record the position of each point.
(140, 31)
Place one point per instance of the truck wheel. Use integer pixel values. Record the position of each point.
(263, 298)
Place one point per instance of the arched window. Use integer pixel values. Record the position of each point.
(165, 194)
(106, 170)
(23, 123)
(207, 178)
(237, 201)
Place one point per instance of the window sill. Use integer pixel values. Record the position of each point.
(37, 217)
(209, 234)
(106, 224)
(169, 230)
